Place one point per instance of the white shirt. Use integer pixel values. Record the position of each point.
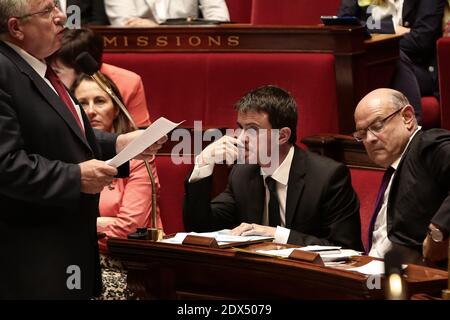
(120, 11)
(280, 175)
(392, 7)
(41, 68)
(380, 241)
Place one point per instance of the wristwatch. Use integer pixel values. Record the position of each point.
(436, 234)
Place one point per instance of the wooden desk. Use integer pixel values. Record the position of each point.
(342, 148)
(167, 271)
(361, 65)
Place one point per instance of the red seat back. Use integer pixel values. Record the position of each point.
(366, 183)
(240, 10)
(431, 112)
(292, 12)
(205, 86)
(171, 177)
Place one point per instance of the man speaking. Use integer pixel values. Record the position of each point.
(49, 175)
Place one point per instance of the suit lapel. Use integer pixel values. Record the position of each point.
(394, 185)
(52, 98)
(296, 184)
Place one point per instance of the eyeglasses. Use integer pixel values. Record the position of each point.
(375, 127)
(46, 13)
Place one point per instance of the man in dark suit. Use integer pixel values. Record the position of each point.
(420, 23)
(415, 212)
(49, 175)
(92, 11)
(292, 195)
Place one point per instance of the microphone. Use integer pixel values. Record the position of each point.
(88, 65)
(393, 265)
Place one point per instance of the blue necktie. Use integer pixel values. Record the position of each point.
(379, 202)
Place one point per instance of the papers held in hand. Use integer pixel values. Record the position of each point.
(222, 239)
(153, 133)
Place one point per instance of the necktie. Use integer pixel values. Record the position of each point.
(379, 202)
(62, 93)
(274, 206)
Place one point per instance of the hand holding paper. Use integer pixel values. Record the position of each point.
(142, 144)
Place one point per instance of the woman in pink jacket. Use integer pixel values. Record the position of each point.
(127, 202)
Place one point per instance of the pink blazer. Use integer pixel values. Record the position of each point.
(126, 204)
(132, 90)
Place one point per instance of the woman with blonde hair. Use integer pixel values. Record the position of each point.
(127, 202)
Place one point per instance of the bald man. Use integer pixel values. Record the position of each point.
(414, 213)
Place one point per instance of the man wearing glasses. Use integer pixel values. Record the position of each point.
(413, 209)
(49, 173)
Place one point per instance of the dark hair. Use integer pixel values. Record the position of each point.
(277, 103)
(76, 41)
(121, 124)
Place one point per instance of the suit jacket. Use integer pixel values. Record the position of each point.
(92, 11)
(321, 206)
(47, 226)
(424, 17)
(132, 90)
(420, 191)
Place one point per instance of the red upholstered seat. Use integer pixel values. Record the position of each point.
(431, 113)
(172, 175)
(205, 86)
(443, 47)
(240, 10)
(171, 178)
(366, 183)
(292, 12)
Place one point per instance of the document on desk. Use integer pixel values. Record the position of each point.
(327, 253)
(374, 267)
(223, 237)
(153, 133)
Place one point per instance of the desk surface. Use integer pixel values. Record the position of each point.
(167, 271)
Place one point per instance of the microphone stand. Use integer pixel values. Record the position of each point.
(155, 233)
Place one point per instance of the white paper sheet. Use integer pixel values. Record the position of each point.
(319, 248)
(326, 256)
(322, 249)
(153, 133)
(222, 237)
(372, 268)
